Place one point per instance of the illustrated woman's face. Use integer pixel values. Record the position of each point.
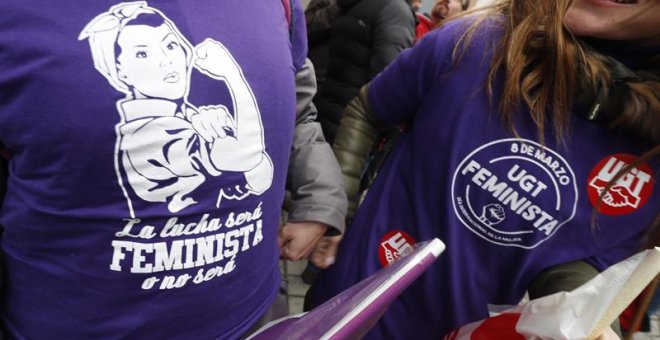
(629, 20)
(152, 61)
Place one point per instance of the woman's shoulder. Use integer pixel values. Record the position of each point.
(474, 30)
(465, 39)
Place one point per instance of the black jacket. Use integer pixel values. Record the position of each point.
(366, 37)
(319, 15)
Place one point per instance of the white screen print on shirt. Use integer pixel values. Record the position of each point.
(167, 147)
(163, 140)
(514, 192)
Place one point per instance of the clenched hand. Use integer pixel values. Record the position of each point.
(298, 239)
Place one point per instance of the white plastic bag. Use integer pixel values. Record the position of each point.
(584, 313)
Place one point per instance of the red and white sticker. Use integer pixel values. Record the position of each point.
(393, 245)
(628, 194)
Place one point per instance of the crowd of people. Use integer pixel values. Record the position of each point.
(150, 147)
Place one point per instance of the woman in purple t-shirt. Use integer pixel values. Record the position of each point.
(524, 124)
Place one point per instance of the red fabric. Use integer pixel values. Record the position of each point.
(626, 318)
(287, 10)
(502, 326)
(424, 26)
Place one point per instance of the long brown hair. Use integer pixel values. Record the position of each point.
(546, 66)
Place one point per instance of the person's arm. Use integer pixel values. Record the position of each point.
(244, 150)
(318, 201)
(394, 30)
(358, 130)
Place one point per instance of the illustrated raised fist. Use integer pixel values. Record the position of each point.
(212, 58)
(492, 214)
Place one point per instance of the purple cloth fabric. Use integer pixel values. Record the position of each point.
(506, 207)
(151, 143)
(354, 311)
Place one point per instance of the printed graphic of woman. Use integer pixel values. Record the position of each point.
(165, 145)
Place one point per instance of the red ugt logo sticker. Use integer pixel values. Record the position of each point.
(393, 245)
(629, 193)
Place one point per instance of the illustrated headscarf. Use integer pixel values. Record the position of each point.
(103, 30)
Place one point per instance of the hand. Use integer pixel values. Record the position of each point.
(298, 239)
(492, 214)
(212, 58)
(212, 122)
(323, 255)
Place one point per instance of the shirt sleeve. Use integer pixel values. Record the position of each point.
(396, 93)
(314, 177)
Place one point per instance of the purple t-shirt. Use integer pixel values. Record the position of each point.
(150, 146)
(505, 206)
